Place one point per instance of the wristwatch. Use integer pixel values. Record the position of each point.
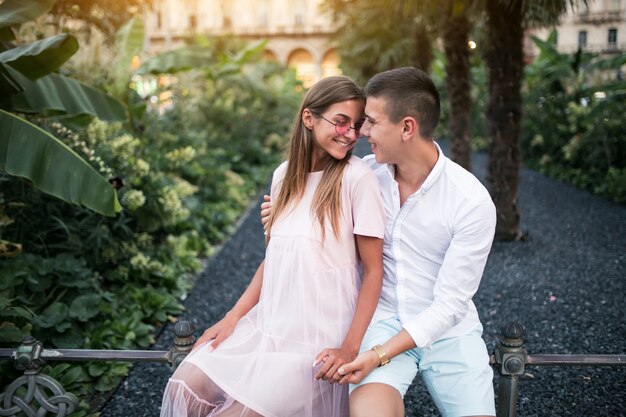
(382, 355)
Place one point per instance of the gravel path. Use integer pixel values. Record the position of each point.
(566, 283)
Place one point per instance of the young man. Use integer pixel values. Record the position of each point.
(439, 231)
(440, 227)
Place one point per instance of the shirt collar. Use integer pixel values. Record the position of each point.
(432, 176)
(436, 171)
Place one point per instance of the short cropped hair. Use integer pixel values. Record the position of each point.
(408, 91)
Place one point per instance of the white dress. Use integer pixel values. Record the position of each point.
(307, 302)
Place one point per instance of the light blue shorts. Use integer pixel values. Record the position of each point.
(456, 371)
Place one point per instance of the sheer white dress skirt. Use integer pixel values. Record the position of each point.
(265, 367)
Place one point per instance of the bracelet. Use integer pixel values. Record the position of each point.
(382, 355)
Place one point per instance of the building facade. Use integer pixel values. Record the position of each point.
(298, 31)
(599, 27)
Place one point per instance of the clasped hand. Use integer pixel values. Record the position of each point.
(353, 372)
(328, 361)
(344, 367)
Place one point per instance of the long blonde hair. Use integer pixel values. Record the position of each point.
(327, 198)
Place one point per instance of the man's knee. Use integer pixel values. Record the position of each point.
(376, 400)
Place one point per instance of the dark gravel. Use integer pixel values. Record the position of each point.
(566, 283)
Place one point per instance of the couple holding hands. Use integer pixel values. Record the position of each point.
(369, 271)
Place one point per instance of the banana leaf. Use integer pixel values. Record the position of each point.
(42, 57)
(6, 34)
(8, 84)
(231, 64)
(607, 63)
(200, 57)
(56, 94)
(16, 12)
(29, 152)
(182, 59)
(75, 123)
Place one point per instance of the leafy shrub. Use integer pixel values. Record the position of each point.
(573, 125)
(86, 281)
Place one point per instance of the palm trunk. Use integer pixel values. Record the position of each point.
(505, 62)
(458, 77)
(423, 57)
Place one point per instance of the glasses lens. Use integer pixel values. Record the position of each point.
(357, 127)
(342, 127)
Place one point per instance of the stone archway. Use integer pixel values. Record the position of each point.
(302, 61)
(330, 64)
(269, 55)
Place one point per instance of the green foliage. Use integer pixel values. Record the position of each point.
(14, 13)
(41, 57)
(375, 36)
(28, 86)
(204, 144)
(105, 15)
(582, 102)
(128, 44)
(31, 152)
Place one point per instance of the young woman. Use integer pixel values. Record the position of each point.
(304, 314)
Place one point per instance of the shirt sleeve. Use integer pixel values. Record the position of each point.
(459, 276)
(368, 214)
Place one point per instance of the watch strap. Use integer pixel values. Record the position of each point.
(382, 355)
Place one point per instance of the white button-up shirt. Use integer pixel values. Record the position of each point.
(435, 249)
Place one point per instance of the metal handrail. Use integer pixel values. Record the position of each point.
(576, 360)
(78, 355)
(510, 359)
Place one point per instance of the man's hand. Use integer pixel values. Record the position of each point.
(331, 360)
(218, 332)
(266, 209)
(355, 371)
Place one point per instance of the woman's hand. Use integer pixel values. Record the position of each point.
(331, 360)
(355, 371)
(218, 332)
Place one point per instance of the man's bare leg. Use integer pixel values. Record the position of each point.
(376, 400)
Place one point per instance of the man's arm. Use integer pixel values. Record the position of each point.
(368, 360)
(459, 276)
(457, 282)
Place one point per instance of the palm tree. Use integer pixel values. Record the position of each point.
(506, 22)
(456, 25)
(377, 35)
(384, 34)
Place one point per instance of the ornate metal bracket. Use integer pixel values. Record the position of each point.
(30, 389)
(37, 387)
(37, 395)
